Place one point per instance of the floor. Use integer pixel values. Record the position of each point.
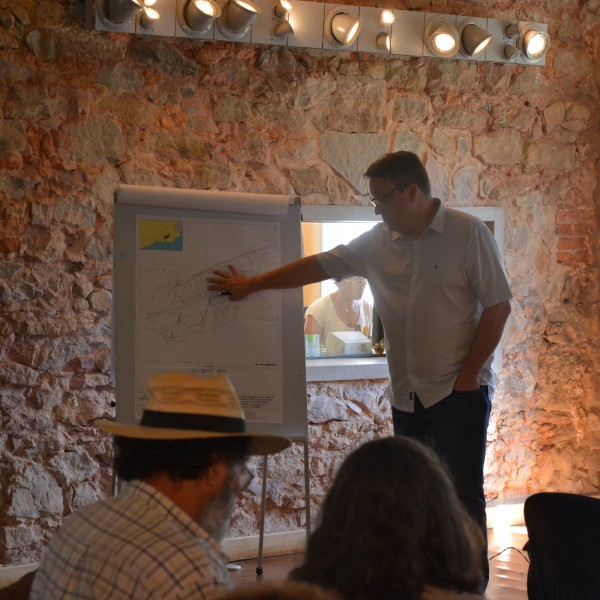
(508, 567)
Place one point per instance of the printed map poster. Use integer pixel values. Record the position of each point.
(181, 326)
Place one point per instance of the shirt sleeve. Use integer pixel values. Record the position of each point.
(349, 260)
(485, 268)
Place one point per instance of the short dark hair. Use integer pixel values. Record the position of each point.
(180, 459)
(401, 167)
(391, 525)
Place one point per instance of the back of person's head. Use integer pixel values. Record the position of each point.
(401, 167)
(286, 590)
(179, 459)
(391, 525)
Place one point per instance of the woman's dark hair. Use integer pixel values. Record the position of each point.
(401, 167)
(284, 590)
(392, 524)
(180, 459)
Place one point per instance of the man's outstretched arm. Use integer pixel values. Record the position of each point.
(295, 274)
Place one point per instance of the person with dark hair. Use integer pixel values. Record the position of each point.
(284, 590)
(440, 289)
(392, 527)
(184, 465)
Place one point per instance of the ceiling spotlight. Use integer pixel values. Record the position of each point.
(475, 39)
(148, 17)
(236, 18)
(281, 30)
(441, 38)
(282, 8)
(115, 13)
(511, 52)
(383, 42)
(511, 30)
(532, 43)
(535, 44)
(342, 28)
(198, 15)
(387, 18)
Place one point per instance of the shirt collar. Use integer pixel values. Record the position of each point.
(172, 512)
(438, 223)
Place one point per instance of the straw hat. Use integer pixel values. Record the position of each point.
(185, 407)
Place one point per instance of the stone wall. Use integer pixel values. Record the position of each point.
(84, 110)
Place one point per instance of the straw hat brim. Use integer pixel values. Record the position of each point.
(260, 443)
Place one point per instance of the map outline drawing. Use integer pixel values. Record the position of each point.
(177, 314)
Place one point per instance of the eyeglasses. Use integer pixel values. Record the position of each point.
(246, 476)
(381, 200)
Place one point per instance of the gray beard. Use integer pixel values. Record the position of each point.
(215, 519)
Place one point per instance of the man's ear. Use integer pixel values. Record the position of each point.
(412, 191)
(215, 476)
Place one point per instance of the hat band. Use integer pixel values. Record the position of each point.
(154, 418)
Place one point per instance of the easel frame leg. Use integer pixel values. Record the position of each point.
(263, 499)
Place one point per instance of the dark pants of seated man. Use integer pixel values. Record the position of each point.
(456, 428)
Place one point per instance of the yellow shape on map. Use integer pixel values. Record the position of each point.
(154, 232)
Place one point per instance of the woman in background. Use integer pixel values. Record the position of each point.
(392, 527)
(342, 310)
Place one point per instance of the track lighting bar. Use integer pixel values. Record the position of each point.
(341, 27)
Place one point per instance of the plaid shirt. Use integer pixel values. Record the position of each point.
(137, 545)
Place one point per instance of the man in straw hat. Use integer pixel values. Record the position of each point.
(185, 466)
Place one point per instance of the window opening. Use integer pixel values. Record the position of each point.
(341, 313)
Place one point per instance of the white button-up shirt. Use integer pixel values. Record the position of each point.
(429, 293)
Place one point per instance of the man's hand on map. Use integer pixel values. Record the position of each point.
(233, 283)
(291, 275)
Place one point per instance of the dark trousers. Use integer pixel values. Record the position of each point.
(456, 428)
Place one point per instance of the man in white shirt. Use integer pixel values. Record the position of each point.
(160, 538)
(440, 289)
